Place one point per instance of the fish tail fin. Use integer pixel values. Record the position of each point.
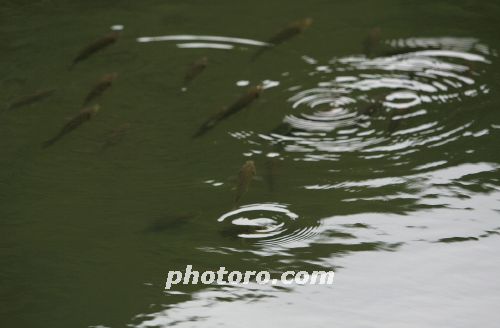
(237, 199)
(270, 181)
(198, 133)
(50, 142)
(256, 55)
(71, 66)
(47, 144)
(260, 51)
(235, 205)
(204, 129)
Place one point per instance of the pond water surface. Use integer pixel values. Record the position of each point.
(375, 143)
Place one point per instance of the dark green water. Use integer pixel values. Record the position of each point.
(406, 214)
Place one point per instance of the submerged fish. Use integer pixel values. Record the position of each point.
(290, 31)
(83, 116)
(371, 108)
(171, 222)
(101, 86)
(32, 98)
(372, 42)
(378, 103)
(242, 102)
(95, 46)
(272, 164)
(285, 34)
(235, 230)
(393, 125)
(247, 172)
(284, 129)
(195, 69)
(116, 135)
(472, 69)
(279, 134)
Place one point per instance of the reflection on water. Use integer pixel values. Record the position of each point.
(211, 41)
(205, 45)
(398, 278)
(399, 94)
(258, 221)
(376, 113)
(381, 166)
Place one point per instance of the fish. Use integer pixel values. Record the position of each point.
(83, 116)
(371, 108)
(284, 129)
(377, 103)
(472, 69)
(234, 230)
(245, 176)
(195, 69)
(293, 29)
(30, 99)
(116, 135)
(372, 42)
(393, 126)
(290, 31)
(244, 101)
(272, 164)
(95, 46)
(104, 83)
(171, 222)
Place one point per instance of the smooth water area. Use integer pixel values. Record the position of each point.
(375, 142)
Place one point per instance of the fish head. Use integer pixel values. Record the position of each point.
(249, 166)
(257, 89)
(94, 110)
(115, 33)
(111, 76)
(204, 61)
(375, 32)
(306, 22)
(372, 39)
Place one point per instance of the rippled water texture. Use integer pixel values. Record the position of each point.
(373, 133)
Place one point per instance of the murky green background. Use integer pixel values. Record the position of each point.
(409, 220)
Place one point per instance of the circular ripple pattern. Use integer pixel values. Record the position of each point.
(389, 103)
(269, 222)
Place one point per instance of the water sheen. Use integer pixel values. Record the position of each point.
(381, 165)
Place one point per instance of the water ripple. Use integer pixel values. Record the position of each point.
(203, 41)
(385, 104)
(270, 223)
